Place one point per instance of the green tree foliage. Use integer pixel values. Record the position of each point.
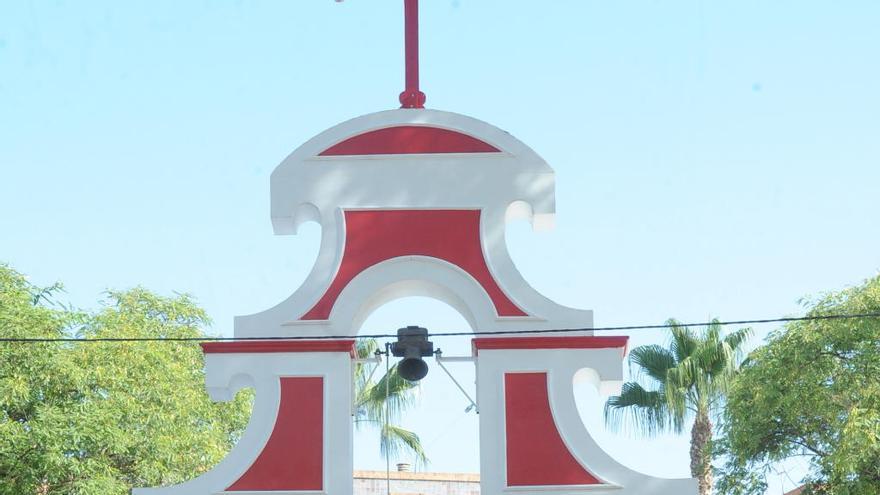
(370, 405)
(813, 391)
(100, 418)
(687, 379)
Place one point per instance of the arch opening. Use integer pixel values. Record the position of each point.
(437, 413)
(420, 289)
(394, 279)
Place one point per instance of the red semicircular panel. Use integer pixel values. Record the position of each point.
(408, 140)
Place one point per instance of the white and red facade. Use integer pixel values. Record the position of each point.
(414, 202)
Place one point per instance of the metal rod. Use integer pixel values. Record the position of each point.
(463, 391)
(376, 360)
(411, 13)
(387, 418)
(411, 97)
(455, 359)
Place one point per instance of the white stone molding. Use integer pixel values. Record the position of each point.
(598, 366)
(515, 183)
(227, 373)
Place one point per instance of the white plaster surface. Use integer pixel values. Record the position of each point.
(513, 184)
(596, 366)
(226, 374)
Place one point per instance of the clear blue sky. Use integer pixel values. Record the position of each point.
(712, 158)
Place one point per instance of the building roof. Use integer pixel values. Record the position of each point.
(417, 476)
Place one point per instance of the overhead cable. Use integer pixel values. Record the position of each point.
(624, 328)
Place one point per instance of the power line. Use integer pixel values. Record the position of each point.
(853, 316)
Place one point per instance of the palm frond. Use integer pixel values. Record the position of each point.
(683, 340)
(366, 347)
(679, 392)
(737, 338)
(396, 440)
(363, 372)
(713, 331)
(731, 346)
(692, 374)
(391, 393)
(645, 409)
(653, 361)
(371, 400)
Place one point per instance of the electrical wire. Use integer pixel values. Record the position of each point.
(27, 340)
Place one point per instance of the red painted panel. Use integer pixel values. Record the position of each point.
(409, 139)
(344, 345)
(373, 236)
(536, 454)
(293, 458)
(589, 342)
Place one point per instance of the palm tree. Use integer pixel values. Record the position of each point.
(687, 379)
(370, 405)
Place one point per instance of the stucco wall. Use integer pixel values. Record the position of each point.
(407, 483)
